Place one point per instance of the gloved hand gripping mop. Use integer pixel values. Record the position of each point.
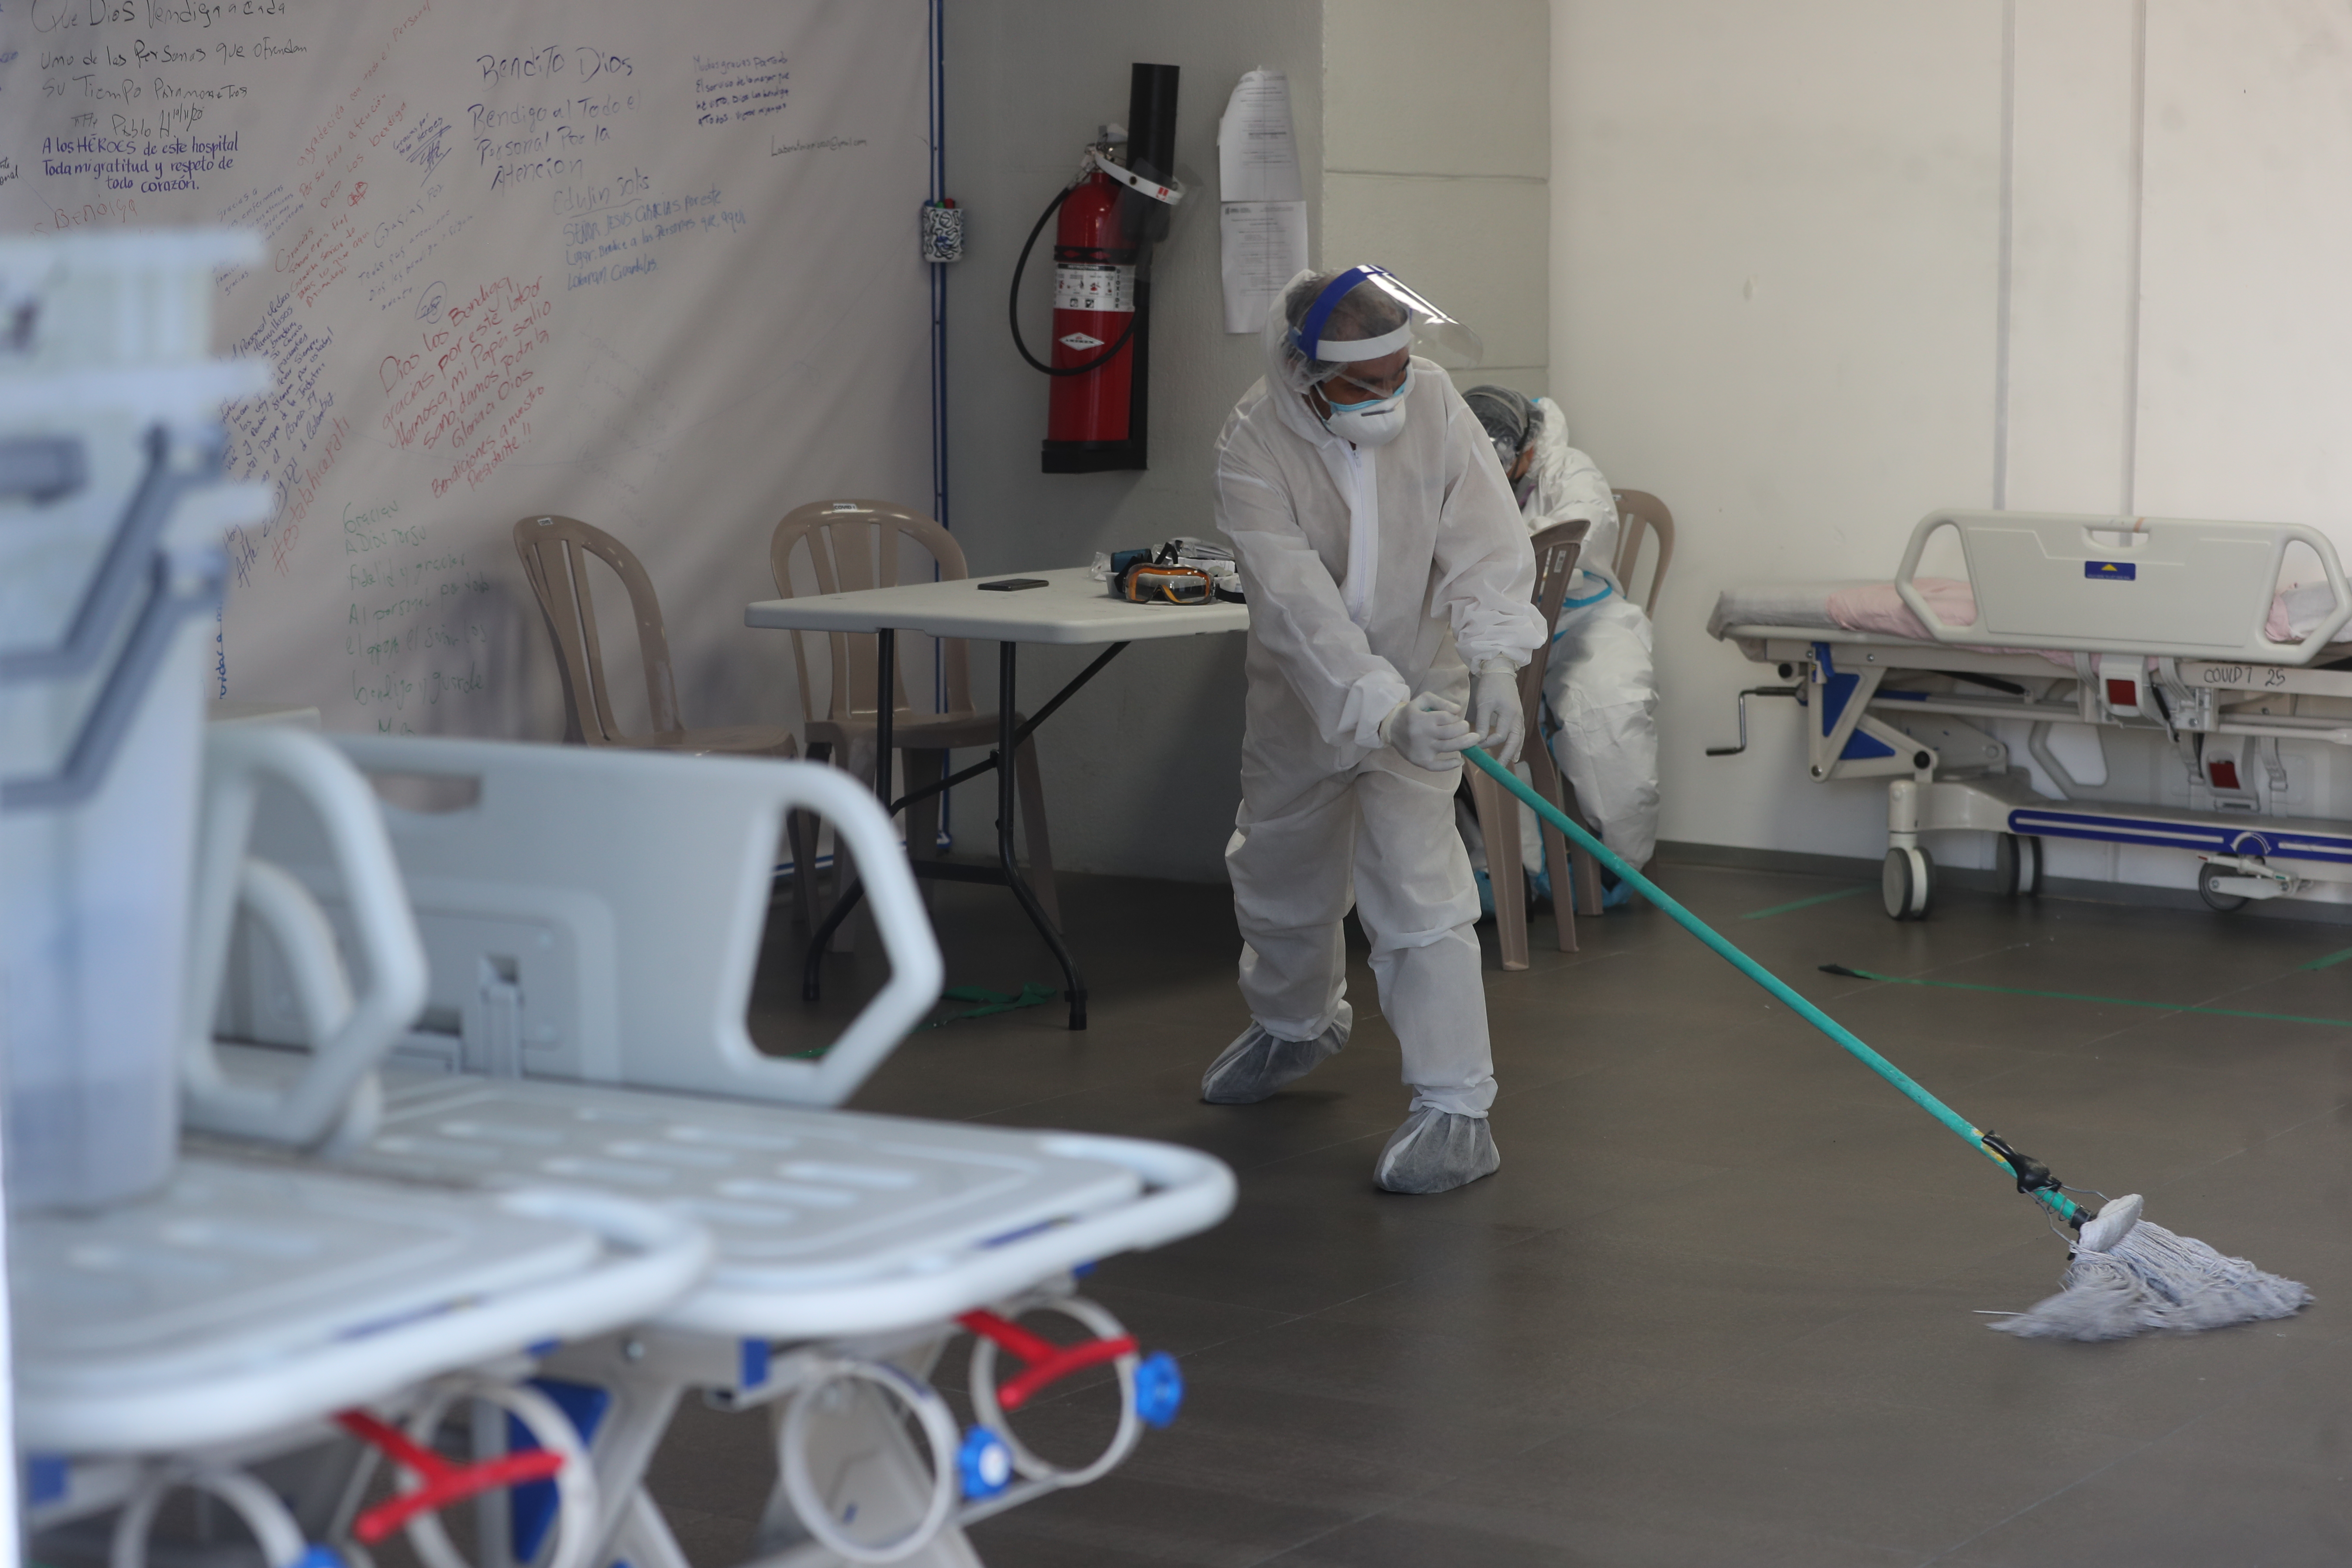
(2124, 1274)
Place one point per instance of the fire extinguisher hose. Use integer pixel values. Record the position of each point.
(1013, 308)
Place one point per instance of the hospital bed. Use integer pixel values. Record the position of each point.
(586, 1025)
(251, 1312)
(241, 1315)
(186, 1318)
(2187, 631)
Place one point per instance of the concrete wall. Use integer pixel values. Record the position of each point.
(1141, 769)
(1446, 150)
(1803, 292)
(1437, 132)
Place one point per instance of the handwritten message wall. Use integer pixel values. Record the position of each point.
(649, 266)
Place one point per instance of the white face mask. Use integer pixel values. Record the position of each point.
(1373, 423)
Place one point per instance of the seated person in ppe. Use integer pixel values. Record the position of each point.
(1601, 685)
(1384, 563)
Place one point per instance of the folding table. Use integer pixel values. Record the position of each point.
(1073, 609)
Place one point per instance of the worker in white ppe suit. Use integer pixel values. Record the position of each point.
(1601, 684)
(1384, 563)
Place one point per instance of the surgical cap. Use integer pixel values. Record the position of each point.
(1510, 419)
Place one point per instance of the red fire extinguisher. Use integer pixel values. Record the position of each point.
(1102, 286)
(1094, 316)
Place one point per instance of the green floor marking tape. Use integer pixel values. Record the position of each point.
(2330, 962)
(1031, 995)
(2078, 996)
(1809, 904)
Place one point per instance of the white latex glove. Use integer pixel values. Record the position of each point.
(1496, 712)
(1429, 731)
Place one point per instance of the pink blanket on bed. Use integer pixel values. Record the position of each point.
(1877, 607)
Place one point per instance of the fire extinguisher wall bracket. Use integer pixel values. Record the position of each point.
(1099, 396)
(1141, 185)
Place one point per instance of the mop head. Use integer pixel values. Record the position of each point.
(2128, 1276)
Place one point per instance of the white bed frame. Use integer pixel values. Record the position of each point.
(585, 1024)
(2163, 618)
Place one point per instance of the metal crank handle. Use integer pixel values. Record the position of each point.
(1751, 692)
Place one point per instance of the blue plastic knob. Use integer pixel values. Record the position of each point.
(320, 1556)
(1159, 1389)
(984, 1463)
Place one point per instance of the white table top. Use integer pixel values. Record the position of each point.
(1072, 608)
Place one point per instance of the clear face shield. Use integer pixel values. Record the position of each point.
(1328, 325)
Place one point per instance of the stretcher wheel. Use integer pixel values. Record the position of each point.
(1140, 1396)
(2228, 903)
(861, 1398)
(2017, 865)
(1907, 883)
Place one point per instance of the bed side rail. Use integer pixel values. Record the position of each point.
(2087, 582)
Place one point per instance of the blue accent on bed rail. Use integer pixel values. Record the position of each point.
(1836, 690)
(2112, 571)
(2210, 839)
(46, 1477)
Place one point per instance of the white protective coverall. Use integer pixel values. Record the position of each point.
(1373, 574)
(1600, 684)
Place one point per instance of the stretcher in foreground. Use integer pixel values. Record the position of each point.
(585, 1026)
(2194, 632)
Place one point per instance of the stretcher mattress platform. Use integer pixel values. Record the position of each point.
(248, 1299)
(825, 1222)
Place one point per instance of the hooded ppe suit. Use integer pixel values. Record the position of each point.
(1373, 574)
(1600, 684)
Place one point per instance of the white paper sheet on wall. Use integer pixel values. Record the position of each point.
(1262, 219)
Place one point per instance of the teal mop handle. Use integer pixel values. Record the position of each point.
(2056, 1202)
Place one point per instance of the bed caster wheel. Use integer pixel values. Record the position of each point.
(984, 1465)
(1907, 883)
(2228, 903)
(1159, 1389)
(2017, 865)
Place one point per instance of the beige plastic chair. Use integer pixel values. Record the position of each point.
(853, 544)
(555, 552)
(1556, 549)
(1637, 510)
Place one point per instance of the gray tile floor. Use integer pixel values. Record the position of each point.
(1721, 1304)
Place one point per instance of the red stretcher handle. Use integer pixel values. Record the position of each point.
(1045, 1362)
(444, 1481)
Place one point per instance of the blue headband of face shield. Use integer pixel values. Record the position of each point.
(1307, 338)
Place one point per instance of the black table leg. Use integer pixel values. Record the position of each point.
(1007, 739)
(886, 665)
(886, 662)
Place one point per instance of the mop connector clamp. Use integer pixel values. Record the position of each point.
(2033, 1175)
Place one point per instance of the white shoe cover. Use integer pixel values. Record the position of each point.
(1257, 1063)
(1435, 1151)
